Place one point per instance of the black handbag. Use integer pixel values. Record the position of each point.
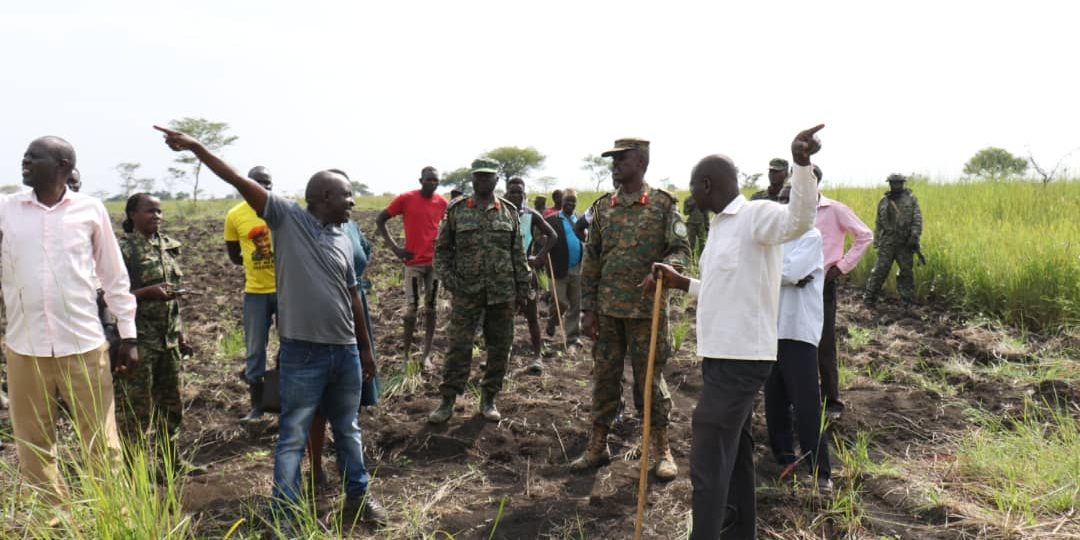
(271, 397)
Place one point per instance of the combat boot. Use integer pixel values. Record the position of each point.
(255, 393)
(665, 462)
(596, 453)
(444, 412)
(487, 408)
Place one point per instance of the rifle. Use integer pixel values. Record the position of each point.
(918, 253)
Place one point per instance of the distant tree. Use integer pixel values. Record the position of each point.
(1048, 176)
(546, 182)
(129, 182)
(175, 175)
(100, 194)
(599, 169)
(360, 188)
(211, 134)
(995, 163)
(749, 181)
(9, 189)
(457, 178)
(516, 161)
(182, 196)
(163, 195)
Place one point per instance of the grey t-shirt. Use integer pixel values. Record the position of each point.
(314, 273)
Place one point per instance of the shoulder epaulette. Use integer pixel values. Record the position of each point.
(601, 199)
(456, 201)
(669, 194)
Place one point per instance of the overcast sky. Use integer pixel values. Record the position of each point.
(382, 89)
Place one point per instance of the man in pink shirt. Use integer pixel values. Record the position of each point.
(54, 241)
(835, 221)
(421, 210)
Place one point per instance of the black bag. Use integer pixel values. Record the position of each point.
(271, 398)
(109, 325)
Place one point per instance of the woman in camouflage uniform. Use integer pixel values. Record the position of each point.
(148, 396)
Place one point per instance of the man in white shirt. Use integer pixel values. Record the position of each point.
(738, 298)
(793, 382)
(54, 242)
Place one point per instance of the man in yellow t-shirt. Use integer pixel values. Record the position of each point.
(247, 240)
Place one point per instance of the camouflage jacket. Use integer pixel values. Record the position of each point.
(764, 195)
(629, 232)
(154, 259)
(694, 216)
(479, 252)
(899, 220)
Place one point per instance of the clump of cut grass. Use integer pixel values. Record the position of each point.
(231, 342)
(678, 334)
(1026, 465)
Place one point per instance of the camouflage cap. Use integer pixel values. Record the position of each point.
(778, 164)
(484, 165)
(896, 177)
(629, 143)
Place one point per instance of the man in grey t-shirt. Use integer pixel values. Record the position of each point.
(325, 353)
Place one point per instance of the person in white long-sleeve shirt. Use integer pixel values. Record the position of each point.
(793, 382)
(54, 241)
(738, 299)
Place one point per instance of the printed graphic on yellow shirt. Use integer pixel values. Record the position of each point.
(263, 256)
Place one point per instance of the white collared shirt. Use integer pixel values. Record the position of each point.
(802, 309)
(50, 256)
(739, 291)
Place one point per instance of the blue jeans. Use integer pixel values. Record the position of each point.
(259, 313)
(327, 378)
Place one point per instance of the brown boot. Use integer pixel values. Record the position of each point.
(596, 453)
(665, 462)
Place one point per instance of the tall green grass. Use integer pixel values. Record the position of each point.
(1008, 250)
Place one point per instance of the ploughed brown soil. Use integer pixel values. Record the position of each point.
(471, 476)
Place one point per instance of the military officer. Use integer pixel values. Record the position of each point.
(148, 395)
(480, 259)
(631, 229)
(896, 237)
(779, 171)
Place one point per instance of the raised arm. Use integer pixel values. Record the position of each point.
(776, 224)
(250, 190)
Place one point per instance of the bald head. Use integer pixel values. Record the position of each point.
(323, 181)
(714, 182)
(329, 196)
(48, 162)
(59, 148)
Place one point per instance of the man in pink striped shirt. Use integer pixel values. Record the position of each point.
(53, 241)
(835, 221)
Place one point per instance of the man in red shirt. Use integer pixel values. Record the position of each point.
(421, 211)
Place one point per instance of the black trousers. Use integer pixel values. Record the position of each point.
(793, 384)
(722, 450)
(826, 354)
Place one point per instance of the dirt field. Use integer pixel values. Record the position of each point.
(470, 476)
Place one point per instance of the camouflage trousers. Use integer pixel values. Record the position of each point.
(498, 325)
(905, 279)
(620, 338)
(148, 396)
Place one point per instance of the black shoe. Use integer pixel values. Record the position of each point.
(255, 393)
(362, 509)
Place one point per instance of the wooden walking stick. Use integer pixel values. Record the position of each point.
(643, 477)
(558, 312)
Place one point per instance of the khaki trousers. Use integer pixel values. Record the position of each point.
(85, 383)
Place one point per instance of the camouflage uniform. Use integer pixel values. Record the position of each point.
(480, 259)
(697, 225)
(764, 195)
(150, 392)
(629, 232)
(896, 237)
